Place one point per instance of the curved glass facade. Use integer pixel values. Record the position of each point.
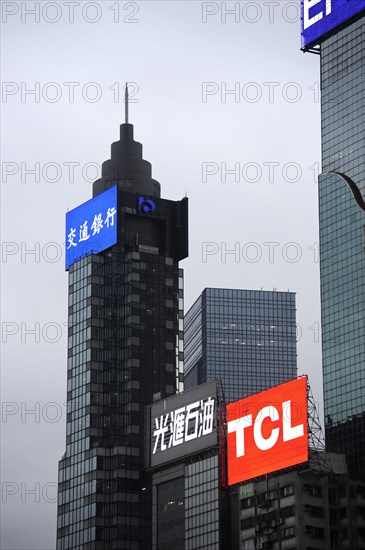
(343, 103)
(342, 241)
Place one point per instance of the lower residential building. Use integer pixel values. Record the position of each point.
(304, 508)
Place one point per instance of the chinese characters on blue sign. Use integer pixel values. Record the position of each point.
(319, 17)
(92, 226)
(183, 424)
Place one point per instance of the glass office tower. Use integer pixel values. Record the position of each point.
(247, 338)
(124, 352)
(343, 102)
(342, 240)
(185, 456)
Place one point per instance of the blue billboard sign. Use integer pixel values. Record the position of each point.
(319, 17)
(92, 226)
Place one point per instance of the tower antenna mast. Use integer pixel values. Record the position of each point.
(126, 103)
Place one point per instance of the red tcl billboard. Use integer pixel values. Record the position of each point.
(267, 431)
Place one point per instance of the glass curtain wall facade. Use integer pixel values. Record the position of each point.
(185, 454)
(189, 505)
(170, 514)
(124, 352)
(247, 338)
(343, 102)
(342, 241)
(203, 505)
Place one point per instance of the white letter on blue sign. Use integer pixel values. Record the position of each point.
(309, 21)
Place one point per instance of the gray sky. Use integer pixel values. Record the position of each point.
(193, 132)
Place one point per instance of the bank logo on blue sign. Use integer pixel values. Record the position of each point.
(319, 17)
(146, 205)
(92, 226)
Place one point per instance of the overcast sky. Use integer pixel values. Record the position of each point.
(182, 59)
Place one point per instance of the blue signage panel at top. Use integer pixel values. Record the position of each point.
(92, 226)
(319, 17)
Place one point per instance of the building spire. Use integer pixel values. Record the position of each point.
(126, 166)
(126, 103)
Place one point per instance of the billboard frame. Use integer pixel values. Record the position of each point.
(283, 464)
(180, 452)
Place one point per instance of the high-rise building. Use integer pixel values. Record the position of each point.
(246, 338)
(185, 455)
(124, 352)
(336, 30)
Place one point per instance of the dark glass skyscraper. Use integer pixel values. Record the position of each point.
(342, 240)
(185, 454)
(343, 102)
(124, 352)
(247, 338)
